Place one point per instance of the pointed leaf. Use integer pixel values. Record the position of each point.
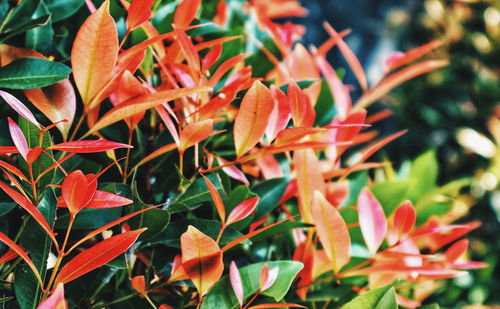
(139, 284)
(94, 52)
(303, 113)
(372, 220)
(186, 12)
(78, 190)
(56, 300)
(236, 282)
(332, 231)
(139, 12)
(268, 277)
(404, 220)
(243, 210)
(97, 255)
(19, 107)
(253, 115)
(309, 179)
(29, 73)
(195, 132)
(219, 204)
(18, 139)
(88, 146)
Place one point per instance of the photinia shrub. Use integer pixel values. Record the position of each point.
(182, 154)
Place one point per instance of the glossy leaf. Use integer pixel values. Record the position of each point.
(372, 220)
(403, 222)
(78, 190)
(29, 73)
(88, 146)
(18, 139)
(94, 52)
(194, 133)
(56, 300)
(19, 107)
(236, 282)
(253, 115)
(186, 12)
(216, 198)
(97, 255)
(242, 210)
(201, 259)
(383, 297)
(267, 277)
(139, 284)
(309, 179)
(139, 12)
(23, 254)
(332, 231)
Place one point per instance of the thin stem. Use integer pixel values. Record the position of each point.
(124, 38)
(77, 127)
(222, 228)
(251, 300)
(181, 162)
(150, 301)
(33, 185)
(127, 158)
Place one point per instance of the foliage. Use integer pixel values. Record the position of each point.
(204, 157)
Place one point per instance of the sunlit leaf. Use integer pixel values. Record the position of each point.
(372, 220)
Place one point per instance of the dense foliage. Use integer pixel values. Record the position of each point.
(181, 154)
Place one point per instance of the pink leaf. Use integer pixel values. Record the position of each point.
(403, 222)
(56, 300)
(372, 220)
(268, 277)
(233, 172)
(18, 139)
(236, 282)
(243, 210)
(19, 107)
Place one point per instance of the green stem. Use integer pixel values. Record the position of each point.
(116, 301)
(127, 158)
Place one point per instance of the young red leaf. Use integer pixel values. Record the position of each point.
(267, 277)
(178, 272)
(33, 154)
(88, 146)
(14, 170)
(243, 210)
(23, 254)
(19, 107)
(97, 255)
(139, 12)
(280, 116)
(29, 207)
(211, 57)
(8, 256)
(277, 305)
(139, 284)
(139, 104)
(253, 115)
(233, 172)
(78, 190)
(337, 193)
(201, 259)
(453, 253)
(332, 231)
(94, 53)
(186, 12)
(372, 220)
(56, 300)
(219, 204)
(57, 102)
(195, 132)
(8, 149)
(400, 59)
(403, 222)
(101, 199)
(349, 56)
(18, 139)
(309, 179)
(236, 282)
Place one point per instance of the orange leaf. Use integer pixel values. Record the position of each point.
(186, 12)
(78, 190)
(56, 300)
(303, 113)
(20, 251)
(309, 179)
(138, 13)
(140, 104)
(411, 55)
(139, 284)
(280, 116)
(195, 132)
(253, 115)
(267, 277)
(97, 255)
(88, 146)
(454, 252)
(94, 52)
(403, 222)
(201, 259)
(332, 231)
(219, 205)
(57, 102)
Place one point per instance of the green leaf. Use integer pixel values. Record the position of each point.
(89, 218)
(391, 194)
(423, 174)
(156, 220)
(195, 194)
(28, 73)
(170, 237)
(381, 298)
(270, 192)
(40, 38)
(221, 295)
(61, 9)
(431, 306)
(38, 244)
(6, 207)
(43, 162)
(280, 228)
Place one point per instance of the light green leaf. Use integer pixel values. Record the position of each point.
(381, 298)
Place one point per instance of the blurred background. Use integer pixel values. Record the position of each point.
(454, 111)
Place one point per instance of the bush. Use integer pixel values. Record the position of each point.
(197, 155)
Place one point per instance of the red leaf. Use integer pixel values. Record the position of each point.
(456, 250)
(303, 113)
(88, 146)
(139, 284)
(243, 210)
(332, 231)
(101, 199)
(78, 190)
(56, 300)
(280, 116)
(309, 179)
(8, 149)
(29, 207)
(8, 256)
(19, 107)
(236, 282)
(253, 115)
(18, 139)
(403, 222)
(33, 154)
(219, 205)
(97, 255)
(211, 57)
(186, 12)
(233, 172)
(195, 132)
(397, 60)
(201, 259)
(372, 220)
(139, 12)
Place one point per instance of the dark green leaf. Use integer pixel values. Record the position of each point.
(270, 192)
(40, 38)
(61, 9)
(195, 194)
(28, 73)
